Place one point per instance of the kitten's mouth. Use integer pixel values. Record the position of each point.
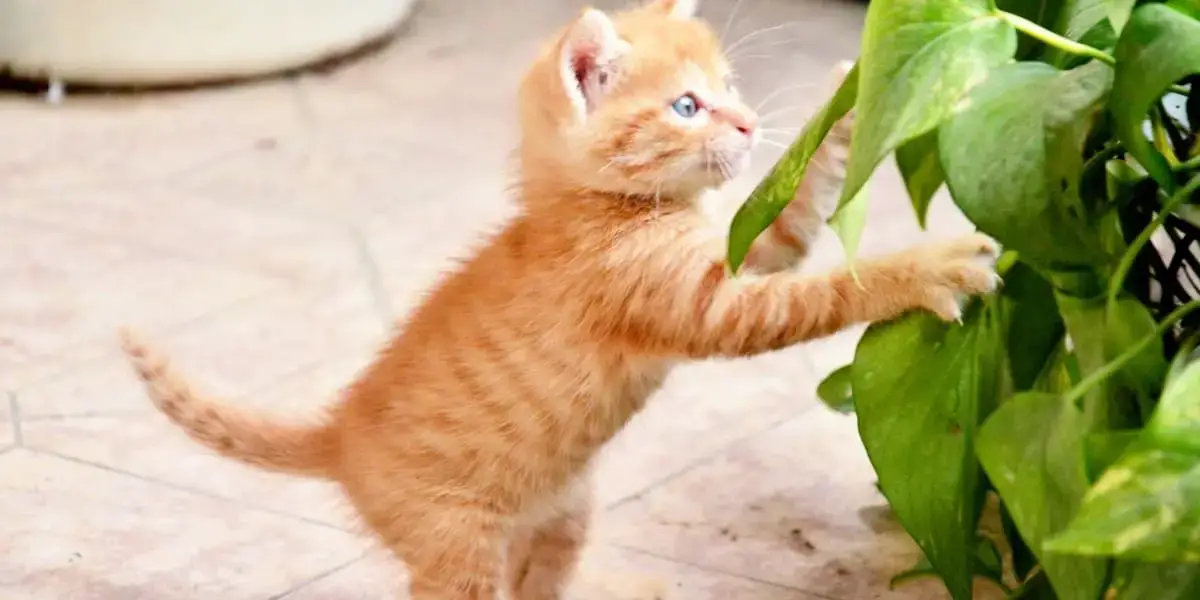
(722, 168)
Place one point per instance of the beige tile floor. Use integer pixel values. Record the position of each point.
(267, 235)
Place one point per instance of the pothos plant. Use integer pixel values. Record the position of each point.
(1067, 130)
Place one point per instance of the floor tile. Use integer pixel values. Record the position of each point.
(74, 531)
(796, 506)
(7, 426)
(374, 577)
(610, 573)
(702, 409)
(98, 139)
(119, 441)
(163, 219)
(76, 290)
(230, 353)
(151, 447)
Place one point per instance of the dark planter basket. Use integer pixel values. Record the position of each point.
(1167, 275)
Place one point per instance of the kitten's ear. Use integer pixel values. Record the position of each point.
(588, 63)
(680, 9)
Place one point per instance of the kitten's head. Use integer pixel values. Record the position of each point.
(641, 103)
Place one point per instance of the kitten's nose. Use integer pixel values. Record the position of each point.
(743, 121)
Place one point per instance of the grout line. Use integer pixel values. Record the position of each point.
(318, 577)
(14, 411)
(367, 262)
(719, 571)
(705, 459)
(88, 414)
(190, 490)
(97, 349)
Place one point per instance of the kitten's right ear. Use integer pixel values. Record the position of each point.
(588, 63)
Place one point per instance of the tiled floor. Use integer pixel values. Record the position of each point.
(267, 235)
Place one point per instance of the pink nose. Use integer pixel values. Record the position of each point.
(744, 122)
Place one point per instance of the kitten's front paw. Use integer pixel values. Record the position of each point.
(946, 272)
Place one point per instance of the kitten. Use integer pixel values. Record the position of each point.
(464, 445)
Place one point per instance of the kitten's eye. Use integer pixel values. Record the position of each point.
(686, 106)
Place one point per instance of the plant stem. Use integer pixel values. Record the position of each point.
(1189, 164)
(1042, 34)
(1099, 375)
(1127, 259)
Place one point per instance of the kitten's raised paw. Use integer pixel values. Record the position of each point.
(949, 271)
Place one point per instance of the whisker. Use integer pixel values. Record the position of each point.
(784, 110)
(774, 94)
(774, 143)
(760, 44)
(756, 33)
(729, 21)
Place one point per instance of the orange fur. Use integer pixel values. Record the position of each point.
(463, 446)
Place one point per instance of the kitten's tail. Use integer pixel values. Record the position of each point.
(242, 435)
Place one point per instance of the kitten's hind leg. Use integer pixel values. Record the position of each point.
(543, 557)
(452, 553)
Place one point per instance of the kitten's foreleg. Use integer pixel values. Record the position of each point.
(699, 311)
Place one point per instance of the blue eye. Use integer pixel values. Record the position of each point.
(686, 106)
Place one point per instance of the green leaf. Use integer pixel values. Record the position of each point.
(778, 188)
(1105, 448)
(1084, 21)
(988, 562)
(1147, 505)
(921, 168)
(1156, 581)
(920, 570)
(1127, 322)
(1187, 7)
(1030, 121)
(1159, 46)
(849, 222)
(1078, 17)
(917, 419)
(837, 392)
(1032, 449)
(1118, 12)
(1036, 330)
(1176, 422)
(919, 59)
(1042, 12)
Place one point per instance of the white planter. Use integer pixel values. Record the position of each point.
(151, 42)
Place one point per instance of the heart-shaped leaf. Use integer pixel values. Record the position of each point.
(921, 168)
(1030, 120)
(1147, 505)
(1155, 581)
(919, 59)
(1032, 448)
(836, 390)
(917, 419)
(1159, 46)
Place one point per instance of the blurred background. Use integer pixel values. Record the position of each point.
(268, 233)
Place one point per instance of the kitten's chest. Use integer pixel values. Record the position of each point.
(630, 387)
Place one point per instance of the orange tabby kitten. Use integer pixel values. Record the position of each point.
(465, 444)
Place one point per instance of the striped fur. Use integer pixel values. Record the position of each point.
(463, 446)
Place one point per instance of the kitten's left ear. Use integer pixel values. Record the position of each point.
(588, 63)
(679, 9)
